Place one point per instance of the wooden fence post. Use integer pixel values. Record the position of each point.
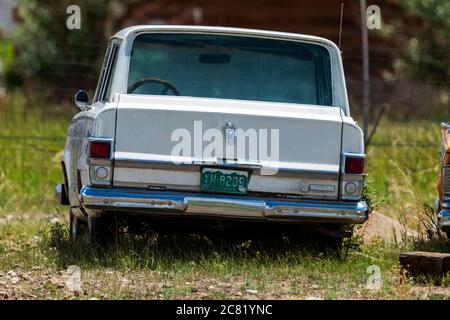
(366, 79)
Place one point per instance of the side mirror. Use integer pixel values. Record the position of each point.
(81, 100)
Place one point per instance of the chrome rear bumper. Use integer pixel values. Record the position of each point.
(233, 206)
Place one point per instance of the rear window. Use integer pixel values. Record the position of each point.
(230, 67)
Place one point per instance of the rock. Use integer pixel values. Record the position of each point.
(124, 281)
(56, 282)
(35, 239)
(14, 280)
(11, 273)
(425, 263)
(25, 276)
(54, 220)
(251, 291)
(384, 228)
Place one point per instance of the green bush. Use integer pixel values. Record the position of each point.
(426, 57)
(369, 195)
(48, 51)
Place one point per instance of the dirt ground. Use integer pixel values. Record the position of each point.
(40, 282)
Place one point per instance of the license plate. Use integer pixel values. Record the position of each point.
(222, 180)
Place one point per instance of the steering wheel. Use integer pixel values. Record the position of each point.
(167, 85)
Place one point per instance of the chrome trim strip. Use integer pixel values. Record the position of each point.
(223, 205)
(338, 84)
(352, 154)
(282, 172)
(148, 164)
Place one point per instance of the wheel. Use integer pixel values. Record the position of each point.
(102, 229)
(334, 243)
(77, 227)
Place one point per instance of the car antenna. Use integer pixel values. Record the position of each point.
(340, 25)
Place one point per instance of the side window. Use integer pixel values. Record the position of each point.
(102, 74)
(104, 82)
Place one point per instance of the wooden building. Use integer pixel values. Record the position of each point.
(315, 17)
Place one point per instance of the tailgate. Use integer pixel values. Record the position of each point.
(302, 143)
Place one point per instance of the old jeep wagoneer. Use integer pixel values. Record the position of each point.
(216, 124)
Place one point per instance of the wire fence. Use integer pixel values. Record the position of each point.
(410, 96)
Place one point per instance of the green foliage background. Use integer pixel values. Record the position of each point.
(43, 41)
(427, 56)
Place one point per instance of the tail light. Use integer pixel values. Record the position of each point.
(100, 149)
(354, 165)
(100, 154)
(352, 179)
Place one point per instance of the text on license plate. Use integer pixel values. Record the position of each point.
(223, 180)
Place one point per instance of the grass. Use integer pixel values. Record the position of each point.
(35, 253)
(403, 168)
(405, 154)
(32, 136)
(192, 267)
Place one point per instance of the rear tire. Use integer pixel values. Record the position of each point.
(77, 227)
(334, 244)
(102, 229)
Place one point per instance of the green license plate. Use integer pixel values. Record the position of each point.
(222, 180)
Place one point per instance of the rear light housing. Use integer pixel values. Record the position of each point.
(100, 157)
(352, 179)
(354, 165)
(100, 149)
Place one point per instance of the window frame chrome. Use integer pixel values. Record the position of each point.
(338, 85)
(106, 77)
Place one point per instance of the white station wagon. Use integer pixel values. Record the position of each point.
(216, 125)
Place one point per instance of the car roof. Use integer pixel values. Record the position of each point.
(126, 32)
